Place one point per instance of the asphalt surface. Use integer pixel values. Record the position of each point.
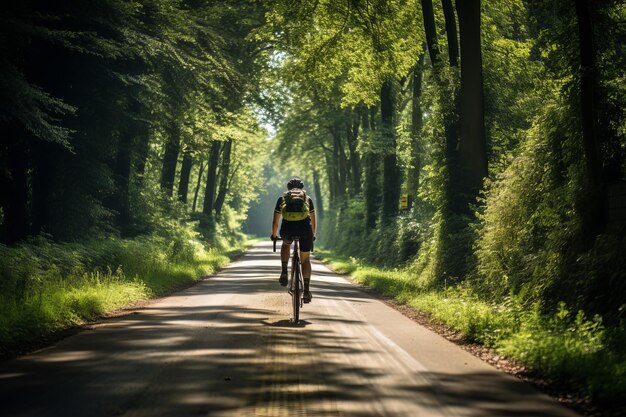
(226, 347)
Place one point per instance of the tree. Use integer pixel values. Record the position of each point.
(472, 146)
(588, 117)
(225, 178)
(185, 172)
(391, 173)
(126, 80)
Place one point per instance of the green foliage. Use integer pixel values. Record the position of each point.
(345, 46)
(105, 87)
(532, 219)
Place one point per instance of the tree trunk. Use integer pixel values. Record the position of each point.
(431, 30)
(211, 182)
(593, 219)
(340, 159)
(142, 149)
(391, 173)
(224, 176)
(333, 178)
(451, 34)
(472, 145)
(413, 179)
(452, 191)
(587, 96)
(319, 204)
(170, 159)
(371, 190)
(185, 173)
(197, 189)
(352, 132)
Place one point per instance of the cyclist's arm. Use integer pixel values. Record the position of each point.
(276, 216)
(275, 224)
(312, 215)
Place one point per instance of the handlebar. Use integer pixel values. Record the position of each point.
(275, 240)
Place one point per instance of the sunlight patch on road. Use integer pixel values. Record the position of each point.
(12, 375)
(72, 356)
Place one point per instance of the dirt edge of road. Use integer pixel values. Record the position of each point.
(556, 389)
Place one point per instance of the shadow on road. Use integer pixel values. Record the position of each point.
(234, 359)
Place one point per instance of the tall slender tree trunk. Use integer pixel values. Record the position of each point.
(413, 176)
(391, 173)
(185, 173)
(453, 190)
(451, 33)
(372, 172)
(587, 96)
(431, 30)
(197, 189)
(451, 123)
(224, 177)
(339, 157)
(372, 190)
(170, 159)
(332, 179)
(319, 204)
(141, 151)
(472, 145)
(352, 132)
(211, 182)
(593, 219)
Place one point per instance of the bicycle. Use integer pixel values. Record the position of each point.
(296, 282)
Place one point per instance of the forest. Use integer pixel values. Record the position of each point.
(467, 158)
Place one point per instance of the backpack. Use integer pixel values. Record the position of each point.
(295, 206)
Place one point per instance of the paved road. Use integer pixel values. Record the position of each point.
(225, 347)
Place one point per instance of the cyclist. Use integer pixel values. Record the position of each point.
(298, 214)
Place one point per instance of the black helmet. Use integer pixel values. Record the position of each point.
(295, 183)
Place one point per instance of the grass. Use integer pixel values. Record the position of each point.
(562, 345)
(47, 287)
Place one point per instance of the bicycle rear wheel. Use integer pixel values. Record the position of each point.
(295, 295)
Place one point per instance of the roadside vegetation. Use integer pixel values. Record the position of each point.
(560, 344)
(46, 287)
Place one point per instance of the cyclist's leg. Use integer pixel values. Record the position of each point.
(306, 265)
(286, 232)
(285, 250)
(284, 253)
(306, 243)
(306, 275)
(284, 262)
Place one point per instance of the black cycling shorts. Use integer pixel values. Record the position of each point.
(300, 228)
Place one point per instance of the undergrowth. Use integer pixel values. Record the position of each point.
(559, 343)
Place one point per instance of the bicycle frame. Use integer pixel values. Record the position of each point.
(296, 283)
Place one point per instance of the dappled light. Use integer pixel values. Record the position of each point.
(464, 161)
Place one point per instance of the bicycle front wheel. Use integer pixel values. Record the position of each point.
(295, 295)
